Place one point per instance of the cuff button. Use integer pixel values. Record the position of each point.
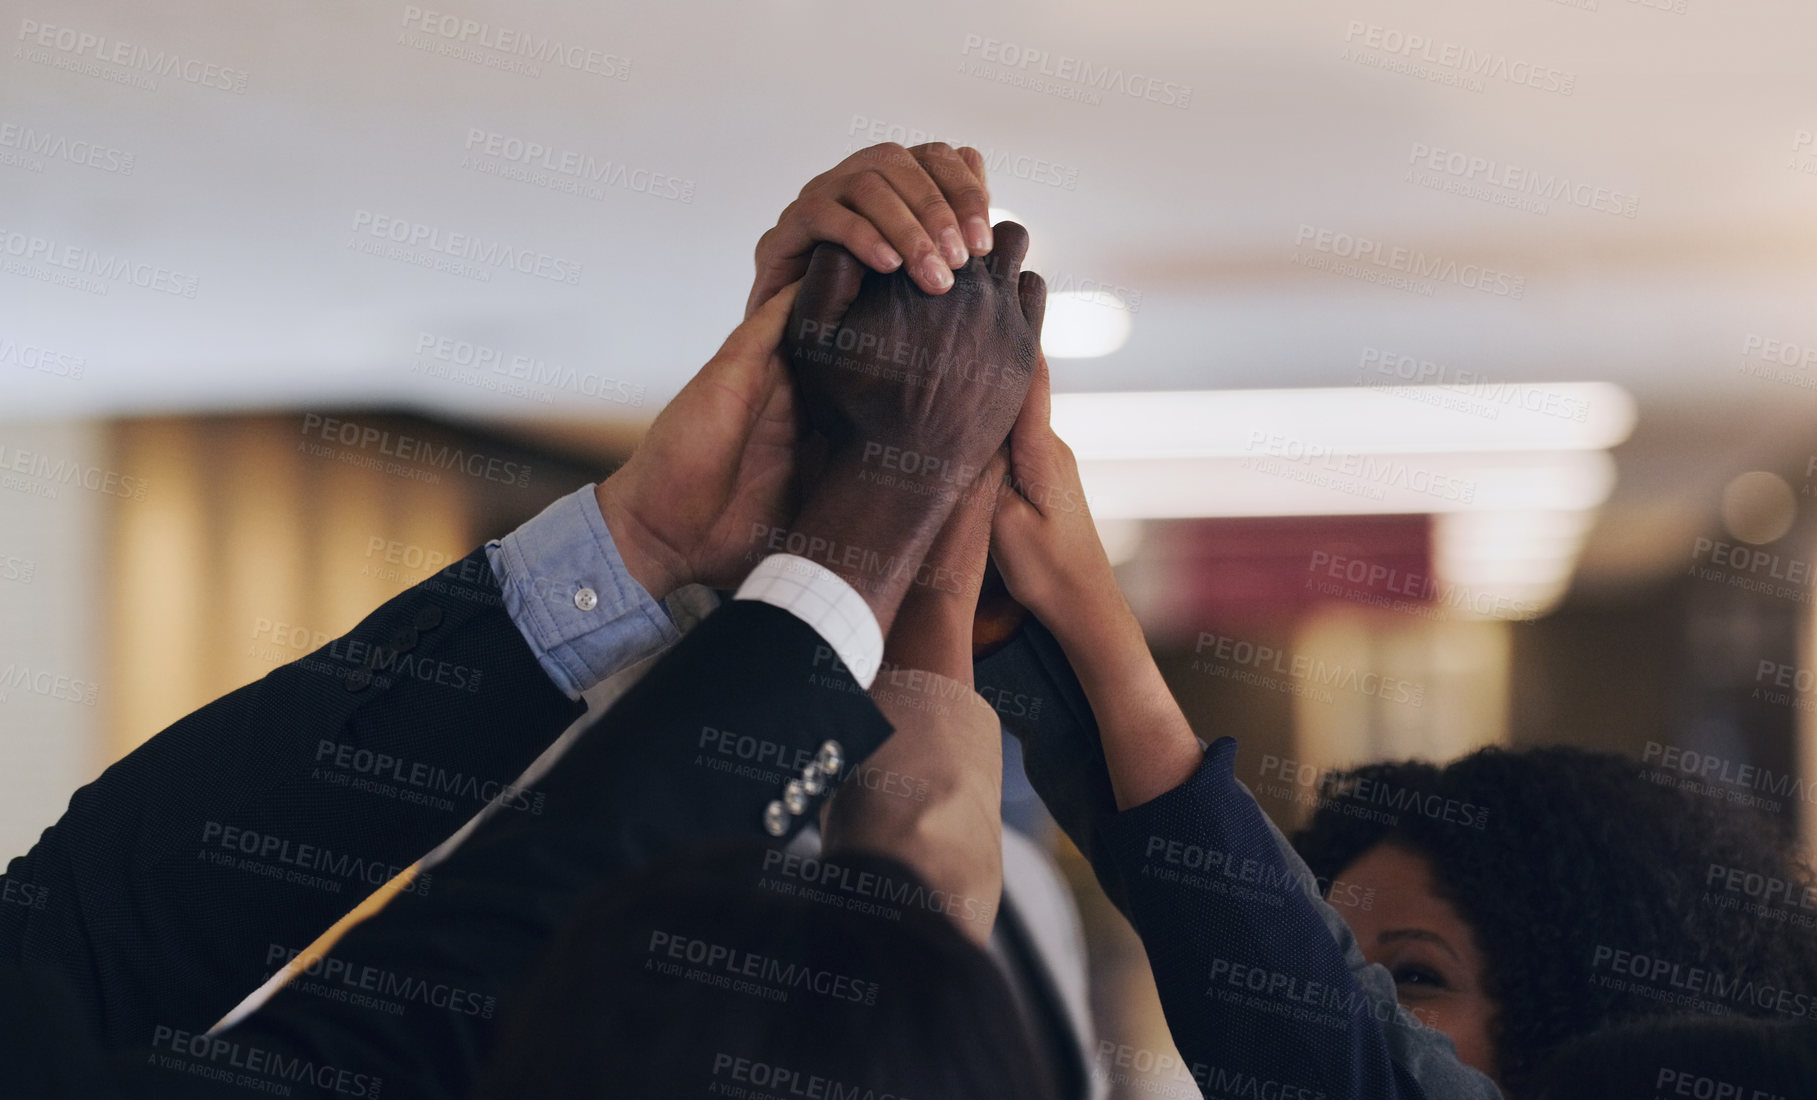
(586, 599)
(775, 819)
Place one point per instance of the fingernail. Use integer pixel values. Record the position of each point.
(953, 247)
(935, 273)
(979, 231)
(887, 259)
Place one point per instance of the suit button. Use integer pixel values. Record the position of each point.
(357, 680)
(403, 639)
(775, 819)
(428, 618)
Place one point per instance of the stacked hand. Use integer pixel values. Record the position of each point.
(882, 204)
(1044, 541)
(881, 363)
(719, 467)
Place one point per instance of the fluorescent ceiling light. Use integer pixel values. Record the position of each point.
(1405, 484)
(1083, 325)
(1346, 421)
(1513, 565)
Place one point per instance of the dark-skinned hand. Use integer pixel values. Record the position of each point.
(881, 364)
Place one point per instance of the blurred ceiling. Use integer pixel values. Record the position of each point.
(1663, 240)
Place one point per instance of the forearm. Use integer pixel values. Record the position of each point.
(1149, 746)
(870, 537)
(1256, 973)
(931, 795)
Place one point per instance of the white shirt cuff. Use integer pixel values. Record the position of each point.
(823, 600)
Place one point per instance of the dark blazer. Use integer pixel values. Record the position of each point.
(633, 787)
(643, 781)
(1310, 1031)
(251, 825)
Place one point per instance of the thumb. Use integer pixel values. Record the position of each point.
(1014, 520)
(1031, 439)
(761, 332)
(833, 280)
(748, 365)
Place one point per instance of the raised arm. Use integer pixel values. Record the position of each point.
(1261, 981)
(638, 786)
(931, 795)
(299, 764)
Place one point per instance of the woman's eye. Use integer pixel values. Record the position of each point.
(1418, 976)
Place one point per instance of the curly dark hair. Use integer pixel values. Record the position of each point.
(1560, 859)
(1660, 1057)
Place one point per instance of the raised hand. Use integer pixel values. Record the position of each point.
(718, 463)
(880, 363)
(1044, 541)
(902, 383)
(929, 204)
(1046, 545)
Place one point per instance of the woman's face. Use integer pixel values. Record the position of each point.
(1427, 945)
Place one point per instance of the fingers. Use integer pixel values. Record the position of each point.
(1031, 289)
(915, 174)
(782, 253)
(762, 330)
(876, 197)
(961, 181)
(1013, 524)
(1037, 407)
(1012, 244)
(746, 365)
(1031, 440)
(929, 204)
(828, 289)
(975, 161)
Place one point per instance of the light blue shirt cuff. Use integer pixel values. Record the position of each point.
(567, 589)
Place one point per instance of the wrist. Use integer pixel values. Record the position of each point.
(1070, 592)
(873, 541)
(934, 635)
(650, 561)
(1097, 629)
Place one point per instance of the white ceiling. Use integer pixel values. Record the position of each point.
(1196, 209)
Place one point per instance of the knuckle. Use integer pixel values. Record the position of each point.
(766, 243)
(889, 153)
(930, 203)
(869, 184)
(972, 196)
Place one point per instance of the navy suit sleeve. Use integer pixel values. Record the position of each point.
(245, 829)
(650, 777)
(1203, 929)
(1258, 994)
